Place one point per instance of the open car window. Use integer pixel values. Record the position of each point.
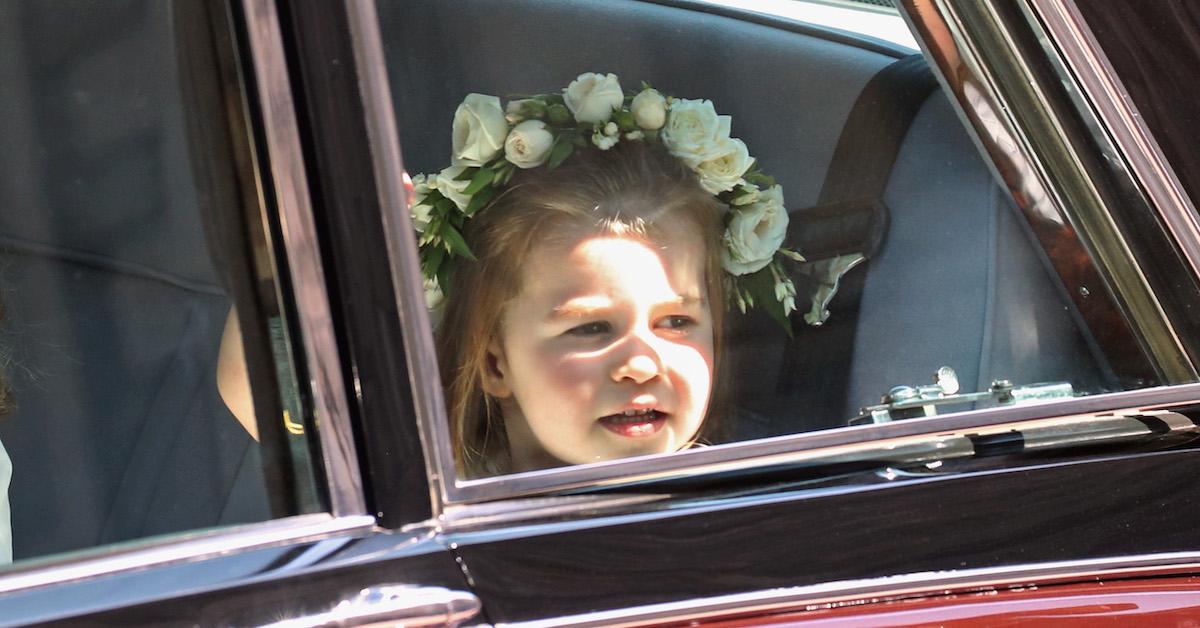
(148, 352)
(932, 283)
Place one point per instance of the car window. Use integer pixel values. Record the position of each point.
(924, 287)
(140, 303)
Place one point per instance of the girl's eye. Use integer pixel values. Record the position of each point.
(677, 322)
(590, 329)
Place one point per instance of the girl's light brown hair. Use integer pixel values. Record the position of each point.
(634, 189)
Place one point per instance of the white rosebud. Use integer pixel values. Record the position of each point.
(592, 97)
(602, 141)
(611, 129)
(422, 185)
(452, 189)
(528, 144)
(754, 233)
(635, 134)
(514, 111)
(724, 172)
(479, 130)
(433, 293)
(784, 288)
(649, 109)
(694, 132)
(785, 292)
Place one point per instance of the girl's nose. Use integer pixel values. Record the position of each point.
(640, 365)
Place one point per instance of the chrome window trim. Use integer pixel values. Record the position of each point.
(179, 547)
(800, 447)
(1100, 83)
(873, 590)
(330, 407)
(416, 327)
(982, 69)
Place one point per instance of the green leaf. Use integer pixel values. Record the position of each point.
(480, 199)
(482, 177)
(503, 175)
(762, 180)
(431, 259)
(445, 273)
(466, 175)
(624, 120)
(760, 286)
(559, 154)
(558, 114)
(456, 242)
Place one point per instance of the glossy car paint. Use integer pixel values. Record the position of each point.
(756, 534)
(1149, 603)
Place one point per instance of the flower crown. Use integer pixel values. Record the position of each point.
(490, 142)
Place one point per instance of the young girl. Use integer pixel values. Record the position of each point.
(583, 313)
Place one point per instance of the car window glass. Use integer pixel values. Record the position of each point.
(125, 273)
(924, 288)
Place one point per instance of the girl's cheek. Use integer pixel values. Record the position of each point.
(561, 365)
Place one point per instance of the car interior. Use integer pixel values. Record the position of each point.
(115, 310)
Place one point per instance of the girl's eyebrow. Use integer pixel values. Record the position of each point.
(583, 307)
(580, 307)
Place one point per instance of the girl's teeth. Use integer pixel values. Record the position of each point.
(631, 416)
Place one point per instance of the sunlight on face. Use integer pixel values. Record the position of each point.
(606, 352)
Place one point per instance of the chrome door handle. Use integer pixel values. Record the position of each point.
(394, 605)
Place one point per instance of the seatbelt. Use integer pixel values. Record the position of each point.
(844, 230)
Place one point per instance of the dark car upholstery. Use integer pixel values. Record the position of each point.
(957, 282)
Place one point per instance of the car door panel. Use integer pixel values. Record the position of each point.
(1059, 511)
(244, 588)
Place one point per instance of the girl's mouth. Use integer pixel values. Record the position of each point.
(634, 423)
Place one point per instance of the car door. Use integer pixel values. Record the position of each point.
(1005, 200)
(797, 512)
(184, 427)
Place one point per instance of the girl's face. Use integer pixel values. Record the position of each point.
(606, 352)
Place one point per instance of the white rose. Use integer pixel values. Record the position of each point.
(433, 293)
(422, 185)
(649, 109)
(755, 232)
(479, 130)
(694, 132)
(592, 97)
(723, 173)
(452, 189)
(528, 144)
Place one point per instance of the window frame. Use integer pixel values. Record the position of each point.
(939, 22)
(256, 83)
